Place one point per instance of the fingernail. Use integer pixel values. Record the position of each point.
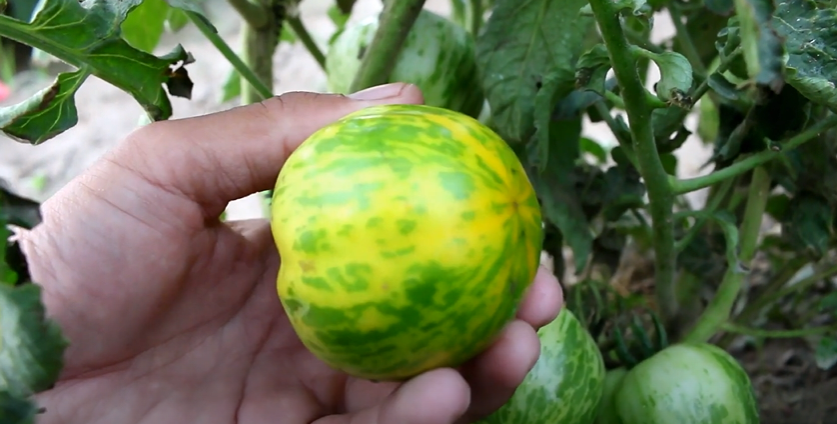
(379, 92)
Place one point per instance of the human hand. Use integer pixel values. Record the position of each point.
(172, 315)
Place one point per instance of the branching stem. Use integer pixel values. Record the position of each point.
(638, 110)
(742, 166)
(719, 309)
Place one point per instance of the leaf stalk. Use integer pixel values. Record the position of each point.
(742, 166)
(230, 55)
(305, 37)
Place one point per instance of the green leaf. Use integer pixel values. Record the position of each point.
(144, 25)
(17, 409)
(591, 69)
(709, 253)
(811, 46)
(828, 304)
(826, 352)
(665, 122)
(33, 346)
(777, 205)
(339, 18)
(807, 224)
(46, 114)
(623, 190)
(232, 86)
(459, 12)
(775, 117)
(727, 90)
(18, 210)
(720, 7)
(592, 147)
(8, 276)
(520, 44)
(176, 19)
(555, 148)
(675, 76)
(557, 85)
(192, 6)
(22, 212)
(287, 34)
(762, 46)
(86, 35)
(669, 161)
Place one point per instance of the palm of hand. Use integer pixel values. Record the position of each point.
(173, 315)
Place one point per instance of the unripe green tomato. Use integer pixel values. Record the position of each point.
(565, 385)
(438, 56)
(687, 383)
(612, 382)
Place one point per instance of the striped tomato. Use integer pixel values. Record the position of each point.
(566, 384)
(688, 383)
(408, 235)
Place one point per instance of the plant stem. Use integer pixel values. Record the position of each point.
(719, 309)
(258, 46)
(753, 212)
(650, 166)
(615, 99)
(230, 55)
(299, 28)
(744, 165)
(777, 334)
(614, 128)
(397, 19)
(476, 17)
(253, 13)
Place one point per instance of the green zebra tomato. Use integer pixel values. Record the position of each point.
(565, 385)
(612, 382)
(687, 383)
(438, 56)
(407, 235)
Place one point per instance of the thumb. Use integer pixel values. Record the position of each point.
(216, 158)
(440, 396)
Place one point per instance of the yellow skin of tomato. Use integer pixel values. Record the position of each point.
(407, 235)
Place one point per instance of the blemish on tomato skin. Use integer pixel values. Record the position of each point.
(307, 266)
